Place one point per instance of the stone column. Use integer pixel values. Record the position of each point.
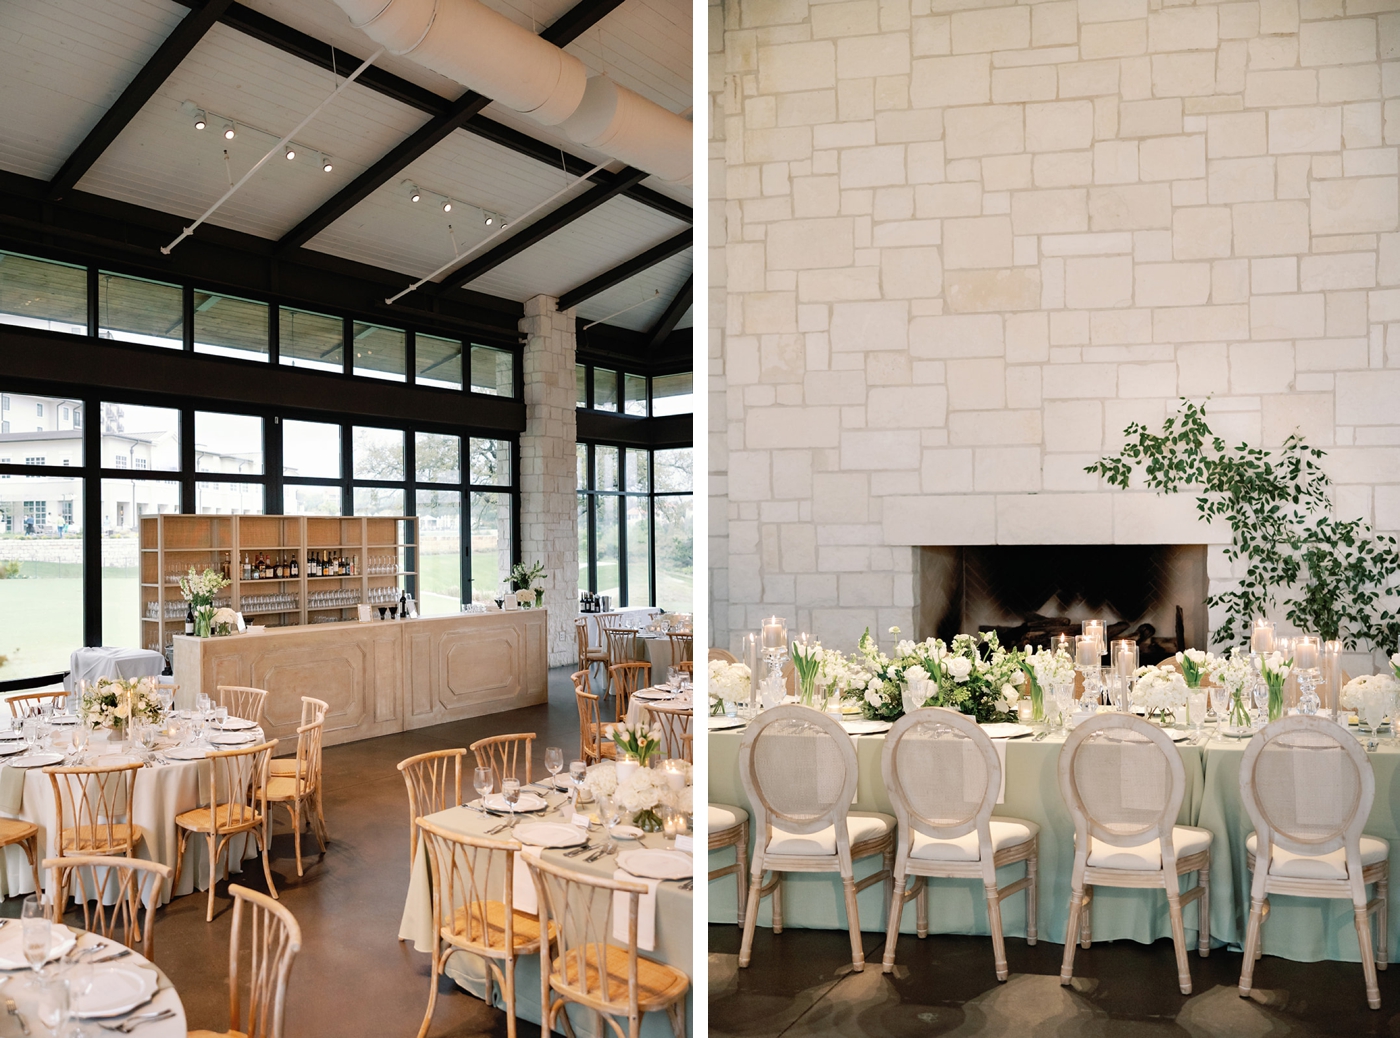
(548, 507)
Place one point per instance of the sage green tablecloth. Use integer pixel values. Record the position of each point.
(959, 906)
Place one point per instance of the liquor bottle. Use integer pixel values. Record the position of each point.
(296, 567)
(247, 569)
(403, 605)
(311, 570)
(189, 619)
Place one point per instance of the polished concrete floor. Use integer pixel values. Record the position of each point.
(800, 984)
(353, 978)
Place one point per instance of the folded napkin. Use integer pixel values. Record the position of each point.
(522, 885)
(646, 911)
(11, 791)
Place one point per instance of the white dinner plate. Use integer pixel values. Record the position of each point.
(7, 748)
(657, 863)
(1006, 730)
(185, 753)
(654, 693)
(1175, 735)
(550, 834)
(114, 760)
(527, 802)
(233, 738)
(118, 988)
(238, 724)
(12, 945)
(1230, 731)
(62, 719)
(863, 727)
(35, 760)
(720, 723)
(627, 832)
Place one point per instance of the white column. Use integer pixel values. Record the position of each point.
(548, 490)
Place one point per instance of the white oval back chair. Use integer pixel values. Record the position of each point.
(1123, 782)
(1308, 788)
(799, 769)
(943, 776)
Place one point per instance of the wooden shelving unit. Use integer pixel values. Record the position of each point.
(383, 550)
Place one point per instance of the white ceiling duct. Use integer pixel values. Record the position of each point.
(487, 52)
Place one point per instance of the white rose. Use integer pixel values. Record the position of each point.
(960, 667)
(1395, 659)
(1010, 693)
(872, 697)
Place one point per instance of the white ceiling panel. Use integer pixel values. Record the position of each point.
(657, 285)
(62, 65)
(609, 235)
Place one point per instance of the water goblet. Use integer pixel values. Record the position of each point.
(610, 813)
(483, 781)
(55, 1004)
(1196, 702)
(1373, 705)
(510, 791)
(553, 763)
(36, 934)
(220, 716)
(578, 771)
(1260, 692)
(203, 703)
(80, 979)
(1064, 699)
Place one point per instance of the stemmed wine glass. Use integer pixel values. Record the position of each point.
(610, 812)
(510, 790)
(553, 763)
(36, 934)
(578, 771)
(80, 978)
(483, 779)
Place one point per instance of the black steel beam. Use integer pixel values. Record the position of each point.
(623, 271)
(674, 312)
(657, 433)
(311, 50)
(540, 230)
(462, 111)
(140, 90)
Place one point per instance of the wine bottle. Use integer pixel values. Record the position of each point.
(189, 619)
(296, 567)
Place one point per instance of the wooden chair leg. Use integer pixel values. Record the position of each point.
(509, 995)
(296, 833)
(676, 1012)
(1251, 946)
(432, 987)
(892, 929)
(1382, 921)
(263, 840)
(1033, 894)
(1203, 912)
(181, 835)
(1086, 920)
(1076, 906)
(1368, 956)
(921, 906)
(213, 874)
(1183, 965)
(848, 884)
(31, 851)
(751, 916)
(777, 902)
(741, 858)
(998, 938)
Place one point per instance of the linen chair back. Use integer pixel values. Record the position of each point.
(798, 767)
(507, 755)
(137, 884)
(29, 703)
(238, 787)
(1123, 781)
(94, 808)
(1308, 788)
(473, 887)
(244, 702)
(674, 722)
(590, 726)
(722, 654)
(622, 644)
(942, 773)
(627, 678)
(434, 782)
(682, 646)
(588, 966)
(275, 938)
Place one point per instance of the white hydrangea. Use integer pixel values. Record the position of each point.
(1354, 691)
(1159, 688)
(601, 780)
(642, 791)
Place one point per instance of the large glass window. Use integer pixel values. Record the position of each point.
(41, 574)
(37, 293)
(378, 352)
(378, 453)
(440, 552)
(140, 438)
(604, 389)
(490, 462)
(136, 310)
(634, 394)
(581, 384)
(311, 499)
(673, 394)
(437, 361)
(493, 371)
(675, 528)
(40, 430)
(212, 498)
(230, 327)
(310, 449)
(378, 501)
(229, 443)
(310, 340)
(490, 545)
(437, 457)
(124, 503)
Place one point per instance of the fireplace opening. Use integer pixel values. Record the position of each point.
(1029, 594)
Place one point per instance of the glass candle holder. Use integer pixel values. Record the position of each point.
(774, 634)
(1125, 657)
(1261, 637)
(1095, 629)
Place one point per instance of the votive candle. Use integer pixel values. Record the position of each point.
(1086, 651)
(775, 633)
(1306, 652)
(1125, 657)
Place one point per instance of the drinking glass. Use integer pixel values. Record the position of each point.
(510, 790)
(672, 677)
(30, 729)
(578, 771)
(220, 716)
(80, 978)
(610, 813)
(1196, 706)
(203, 703)
(553, 763)
(1064, 699)
(1373, 705)
(1261, 701)
(36, 934)
(483, 781)
(148, 733)
(55, 1004)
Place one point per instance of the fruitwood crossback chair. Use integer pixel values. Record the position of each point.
(1308, 787)
(466, 872)
(682, 647)
(300, 793)
(312, 710)
(136, 883)
(674, 722)
(505, 755)
(943, 775)
(16, 831)
(622, 646)
(729, 827)
(594, 743)
(98, 802)
(1123, 781)
(434, 782)
(240, 777)
(589, 656)
(591, 970)
(244, 702)
(29, 703)
(626, 679)
(276, 939)
(799, 770)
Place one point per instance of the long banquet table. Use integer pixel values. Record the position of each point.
(1303, 929)
(674, 927)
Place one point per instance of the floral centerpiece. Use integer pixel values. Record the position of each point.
(198, 589)
(806, 659)
(1045, 669)
(224, 622)
(1274, 669)
(1195, 665)
(1159, 690)
(1354, 692)
(639, 794)
(637, 742)
(525, 578)
(524, 599)
(1232, 674)
(729, 683)
(974, 675)
(115, 702)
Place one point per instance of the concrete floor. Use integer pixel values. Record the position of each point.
(353, 977)
(800, 984)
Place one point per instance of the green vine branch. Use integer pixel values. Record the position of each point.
(1335, 578)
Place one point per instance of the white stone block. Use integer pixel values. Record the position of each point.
(1113, 39)
(1236, 135)
(861, 326)
(1149, 518)
(1064, 169)
(1079, 381)
(906, 407)
(976, 384)
(1341, 42)
(1261, 367)
(910, 273)
(1149, 118)
(1054, 518)
(1032, 83)
(1367, 397)
(1115, 162)
(1268, 276)
(946, 470)
(1002, 469)
(942, 200)
(1006, 172)
(796, 66)
(1352, 83)
(1229, 281)
(883, 55)
(1270, 228)
(1240, 180)
(1288, 317)
(879, 449)
(1027, 337)
(1061, 126)
(1119, 327)
(1282, 87)
(1354, 206)
(1346, 314)
(983, 130)
(1130, 207)
(1048, 212)
(872, 167)
(1111, 10)
(1054, 23)
(940, 520)
(977, 242)
(1200, 323)
(806, 244)
(1182, 28)
(962, 80)
(1172, 284)
(1183, 74)
(994, 428)
(1098, 282)
(1305, 130)
(1203, 369)
(792, 427)
(1088, 78)
(1073, 425)
(1173, 158)
(1339, 271)
(956, 335)
(990, 291)
(1001, 28)
(1201, 233)
(1087, 244)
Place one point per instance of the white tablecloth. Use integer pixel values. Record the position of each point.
(162, 792)
(638, 618)
(103, 661)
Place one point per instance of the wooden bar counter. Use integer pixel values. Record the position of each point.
(379, 677)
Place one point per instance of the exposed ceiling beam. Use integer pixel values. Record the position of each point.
(674, 312)
(313, 51)
(539, 230)
(567, 27)
(140, 90)
(620, 273)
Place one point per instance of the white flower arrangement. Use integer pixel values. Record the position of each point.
(1231, 672)
(960, 667)
(601, 780)
(1159, 688)
(1195, 665)
(729, 682)
(637, 740)
(1355, 690)
(525, 597)
(1051, 668)
(1395, 664)
(642, 791)
(225, 621)
(112, 701)
(199, 588)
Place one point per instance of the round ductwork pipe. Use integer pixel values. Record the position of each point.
(625, 125)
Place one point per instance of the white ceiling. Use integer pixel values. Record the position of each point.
(63, 62)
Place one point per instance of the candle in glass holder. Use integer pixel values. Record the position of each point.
(674, 774)
(1306, 652)
(1061, 644)
(1086, 651)
(1261, 639)
(1095, 630)
(774, 633)
(1125, 657)
(1332, 675)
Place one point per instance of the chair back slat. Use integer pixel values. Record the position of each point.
(622, 643)
(682, 647)
(468, 873)
(95, 805)
(434, 782)
(590, 727)
(799, 769)
(507, 755)
(242, 701)
(111, 893)
(238, 787)
(275, 939)
(28, 704)
(627, 678)
(942, 772)
(674, 722)
(1123, 781)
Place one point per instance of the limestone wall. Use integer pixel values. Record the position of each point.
(957, 247)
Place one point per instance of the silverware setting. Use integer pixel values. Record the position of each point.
(132, 1022)
(582, 849)
(596, 854)
(688, 884)
(121, 954)
(13, 1010)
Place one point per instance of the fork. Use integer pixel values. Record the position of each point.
(13, 1010)
(132, 1022)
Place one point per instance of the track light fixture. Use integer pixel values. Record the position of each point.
(414, 195)
(229, 132)
(326, 166)
(447, 205)
(200, 121)
(291, 153)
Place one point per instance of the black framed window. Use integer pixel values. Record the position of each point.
(617, 392)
